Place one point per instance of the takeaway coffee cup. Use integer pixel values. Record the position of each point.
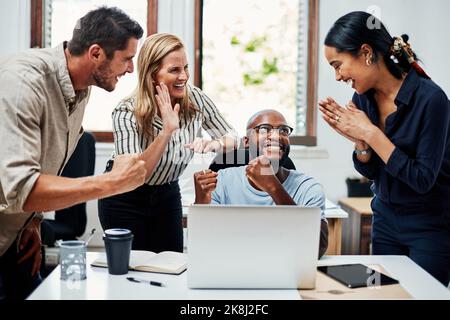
(118, 247)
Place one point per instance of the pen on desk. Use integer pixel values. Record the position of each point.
(153, 283)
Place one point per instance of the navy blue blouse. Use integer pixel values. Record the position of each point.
(417, 175)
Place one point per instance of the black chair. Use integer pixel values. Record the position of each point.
(70, 223)
(359, 187)
(238, 158)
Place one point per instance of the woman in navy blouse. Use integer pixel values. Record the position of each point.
(399, 120)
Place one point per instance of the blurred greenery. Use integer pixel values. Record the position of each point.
(255, 44)
(252, 79)
(235, 41)
(268, 66)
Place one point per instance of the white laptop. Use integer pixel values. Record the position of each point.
(252, 247)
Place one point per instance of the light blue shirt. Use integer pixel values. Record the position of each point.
(233, 187)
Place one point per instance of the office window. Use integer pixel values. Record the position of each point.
(258, 54)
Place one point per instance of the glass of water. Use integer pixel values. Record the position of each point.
(72, 257)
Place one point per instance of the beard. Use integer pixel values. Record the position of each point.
(103, 77)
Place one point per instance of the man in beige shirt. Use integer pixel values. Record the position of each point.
(43, 94)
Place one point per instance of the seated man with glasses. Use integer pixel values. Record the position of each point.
(264, 181)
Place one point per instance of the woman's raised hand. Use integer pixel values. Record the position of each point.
(170, 116)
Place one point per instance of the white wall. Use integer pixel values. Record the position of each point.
(14, 26)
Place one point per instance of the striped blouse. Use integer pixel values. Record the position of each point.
(176, 157)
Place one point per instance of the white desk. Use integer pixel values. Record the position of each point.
(100, 285)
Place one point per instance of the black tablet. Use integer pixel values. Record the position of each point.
(357, 275)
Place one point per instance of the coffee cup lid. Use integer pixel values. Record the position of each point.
(117, 233)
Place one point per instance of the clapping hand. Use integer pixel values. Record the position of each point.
(350, 122)
(170, 116)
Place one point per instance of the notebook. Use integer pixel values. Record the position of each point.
(164, 262)
(252, 247)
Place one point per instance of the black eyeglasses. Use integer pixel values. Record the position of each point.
(265, 129)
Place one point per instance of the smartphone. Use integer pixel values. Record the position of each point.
(357, 275)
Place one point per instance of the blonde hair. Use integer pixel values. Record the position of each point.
(155, 48)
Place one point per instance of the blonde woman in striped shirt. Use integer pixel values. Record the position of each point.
(161, 120)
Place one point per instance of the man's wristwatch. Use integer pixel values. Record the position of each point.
(362, 152)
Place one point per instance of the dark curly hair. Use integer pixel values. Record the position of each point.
(110, 28)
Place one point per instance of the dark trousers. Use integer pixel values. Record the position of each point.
(423, 235)
(16, 281)
(152, 213)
